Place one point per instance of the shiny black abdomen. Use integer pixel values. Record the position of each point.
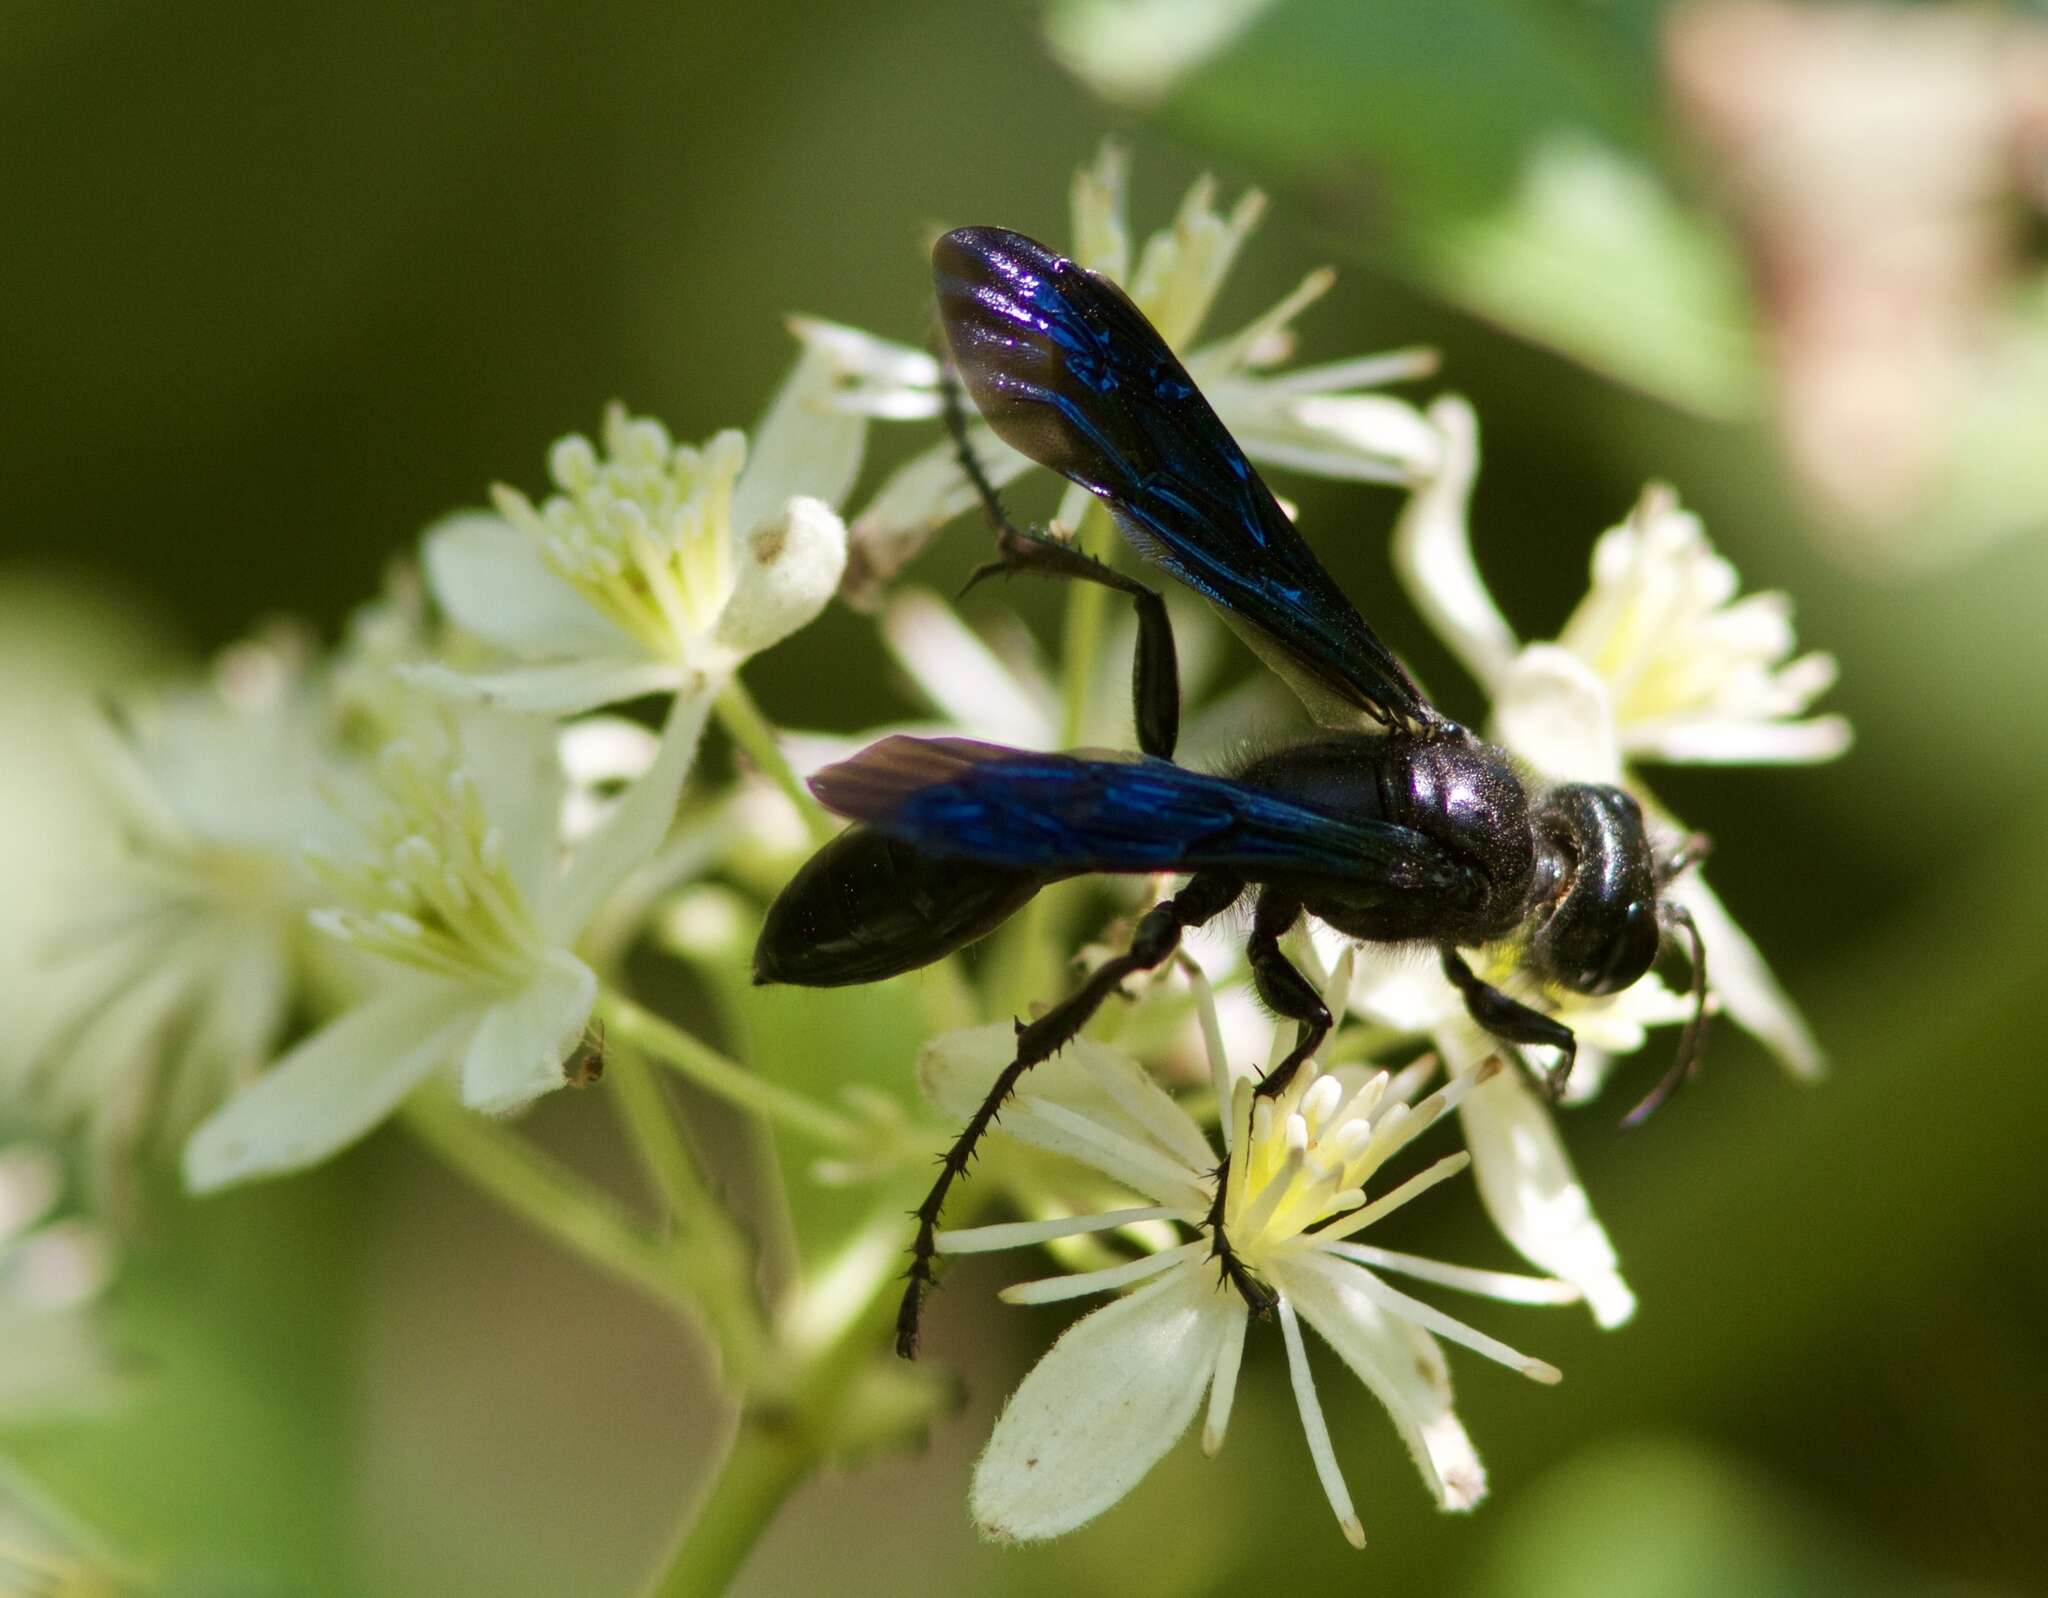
(866, 907)
(1461, 794)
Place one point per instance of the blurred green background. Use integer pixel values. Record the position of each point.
(283, 284)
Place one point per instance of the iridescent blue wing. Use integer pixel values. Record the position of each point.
(1068, 371)
(1062, 815)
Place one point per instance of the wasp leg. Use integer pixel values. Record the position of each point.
(1155, 667)
(1284, 990)
(1287, 993)
(1207, 895)
(1513, 1021)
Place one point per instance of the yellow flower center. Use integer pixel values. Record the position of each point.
(643, 531)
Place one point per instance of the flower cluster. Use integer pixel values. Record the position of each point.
(402, 877)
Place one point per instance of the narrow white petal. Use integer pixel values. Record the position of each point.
(559, 688)
(1526, 1182)
(1316, 1429)
(1506, 1286)
(1054, 1289)
(1223, 1385)
(491, 580)
(1113, 1151)
(1744, 741)
(956, 1069)
(804, 444)
(1400, 1365)
(631, 833)
(1097, 1412)
(1432, 1319)
(790, 564)
(1020, 1234)
(1357, 371)
(517, 1053)
(331, 1089)
(1433, 552)
(1742, 981)
(960, 674)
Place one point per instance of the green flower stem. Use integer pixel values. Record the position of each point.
(769, 1460)
(746, 726)
(587, 1221)
(844, 1399)
(698, 1062)
(710, 1251)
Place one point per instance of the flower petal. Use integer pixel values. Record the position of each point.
(517, 769)
(1087, 1082)
(1553, 710)
(1101, 1408)
(804, 445)
(789, 567)
(1526, 1182)
(633, 830)
(1744, 984)
(517, 1053)
(562, 688)
(1402, 1366)
(1735, 740)
(1433, 552)
(492, 581)
(332, 1088)
(961, 675)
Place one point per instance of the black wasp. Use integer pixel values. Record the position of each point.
(1395, 825)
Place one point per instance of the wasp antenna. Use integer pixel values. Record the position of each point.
(1692, 1041)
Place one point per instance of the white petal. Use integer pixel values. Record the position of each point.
(1433, 552)
(957, 1068)
(1739, 741)
(633, 830)
(1744, 985)
(562, 688)
(1097, 1412)
(1316, 1429)
(805, 446)
(1502, 1285)
(1223, 1385)
(1526, 1182)
(960, 674)
(332, 1088)
(789, 568)
(517, 1053)
(1401, 1367)
(492, 581)
(914, 500)
(1021, 1234)
(1554, 711)
(518, 773)
(1448, 1327)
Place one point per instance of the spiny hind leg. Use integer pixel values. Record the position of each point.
(1158, 934)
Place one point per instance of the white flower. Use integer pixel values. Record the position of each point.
(655, 567)
(1661, 661)
(1315, 419)
(1119, 1387)
(1519, 1163)
(458, 891)
(171, 976)
(52, 1273)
